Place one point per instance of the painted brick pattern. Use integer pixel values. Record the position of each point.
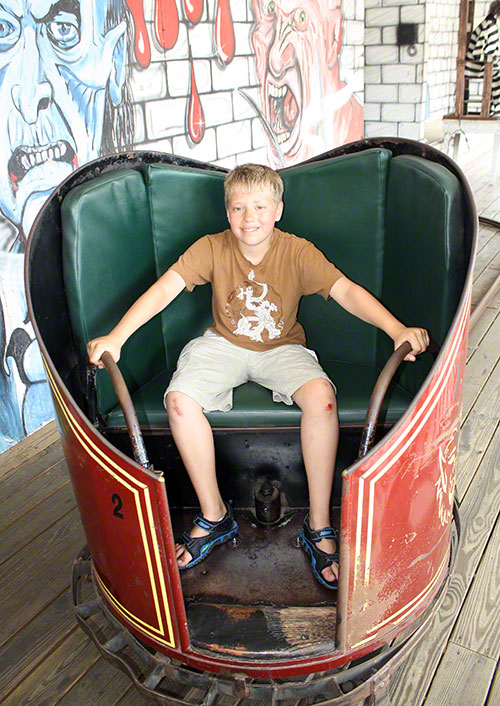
(441, 56)
(233, 132)
(404, 89)
(394, 83)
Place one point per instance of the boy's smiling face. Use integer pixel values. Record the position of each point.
(252, 215)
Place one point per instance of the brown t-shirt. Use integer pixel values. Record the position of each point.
(255, 306)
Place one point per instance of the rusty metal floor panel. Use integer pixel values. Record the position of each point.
(235, 605)
(262, 632)
(246, 574)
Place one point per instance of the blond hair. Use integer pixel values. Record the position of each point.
(248, 177)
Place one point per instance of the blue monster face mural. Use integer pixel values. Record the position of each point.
(60, 63)
(63, 72)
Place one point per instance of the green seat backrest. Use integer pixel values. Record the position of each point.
(121, 231)
(108, 261)
(185, 204)
(424, 261)
(339, 204)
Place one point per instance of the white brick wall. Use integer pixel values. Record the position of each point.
(384, 93)
(399, 73)
(404, 89)
(398, 112)
(393, 77)
(381, 16)
(440, 66)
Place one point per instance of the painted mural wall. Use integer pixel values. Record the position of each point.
(222, 81)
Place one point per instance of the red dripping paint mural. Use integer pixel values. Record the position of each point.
(224, 32)
(142, 46)
(193, 10)
(195, 115)
(166, 23)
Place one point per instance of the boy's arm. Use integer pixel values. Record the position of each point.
(156, 298)
(356, 300)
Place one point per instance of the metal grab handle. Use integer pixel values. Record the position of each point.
(134, 430)
(378, 394)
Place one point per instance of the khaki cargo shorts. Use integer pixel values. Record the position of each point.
(210, 367)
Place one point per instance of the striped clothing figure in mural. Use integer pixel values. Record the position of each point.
(484, 46)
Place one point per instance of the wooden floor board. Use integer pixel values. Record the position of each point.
(478, 431)
(19, 533)
(480, 366)
(481, 329)
(464, 677)
(21, 566)
(29, 599)
(132, 698)
(57, 674)
(487, 256)
(486, 245)
(26, 649)
(489, 205)
(483, 283)
(478, 626)
(29, 448)
(105, 682)
(494, 695)
(42, 487)
(25, 473)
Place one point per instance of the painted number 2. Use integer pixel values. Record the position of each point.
(117, 502)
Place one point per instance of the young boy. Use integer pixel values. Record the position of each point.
(258, 275)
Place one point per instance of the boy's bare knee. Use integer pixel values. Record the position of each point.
(326, 398)
(317, 396)
(175, 404)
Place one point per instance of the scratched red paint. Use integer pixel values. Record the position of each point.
(224, 32)
(195, 114)
(193, 10)
(166, 23)
(142, 47)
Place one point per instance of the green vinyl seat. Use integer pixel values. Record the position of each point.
(392, 224)
(252, 403)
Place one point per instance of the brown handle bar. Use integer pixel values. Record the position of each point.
(378, 394)
(134, 430)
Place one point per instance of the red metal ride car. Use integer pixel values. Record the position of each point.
(250, 620)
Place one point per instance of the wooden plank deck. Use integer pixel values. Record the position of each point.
(46, 660)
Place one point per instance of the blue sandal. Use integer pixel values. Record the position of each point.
(320, 559)
(218, 533)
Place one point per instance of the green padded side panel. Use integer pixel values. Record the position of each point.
(185, 205)
(339, 204)
(253, 405)
(424, 266)
(108, 262)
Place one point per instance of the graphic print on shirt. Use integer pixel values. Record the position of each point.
(255, 309)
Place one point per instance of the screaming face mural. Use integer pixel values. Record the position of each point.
(62, 71)
(59, 65)
(307, 107)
